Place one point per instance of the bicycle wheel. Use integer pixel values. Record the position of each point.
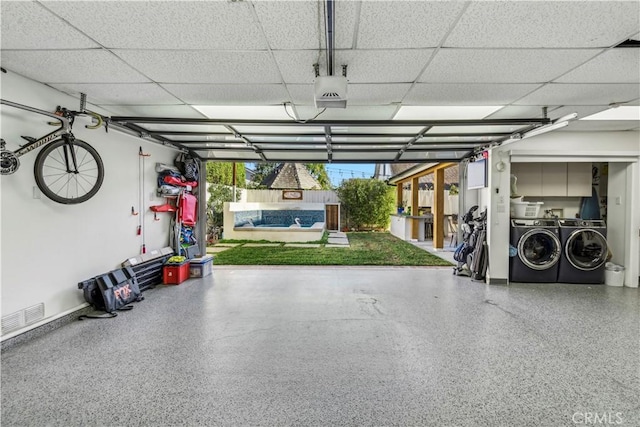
(59, 180)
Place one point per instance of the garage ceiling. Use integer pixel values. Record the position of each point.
(143, 61)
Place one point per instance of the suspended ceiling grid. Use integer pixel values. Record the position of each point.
(162, 59)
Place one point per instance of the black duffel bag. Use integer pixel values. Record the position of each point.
(111, 292)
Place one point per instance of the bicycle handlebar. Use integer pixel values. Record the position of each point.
(65, 117)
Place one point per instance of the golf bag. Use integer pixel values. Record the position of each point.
(478, 259)
(464, 249)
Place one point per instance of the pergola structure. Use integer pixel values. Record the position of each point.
(412, 176)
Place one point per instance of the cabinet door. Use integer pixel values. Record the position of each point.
(579, 179)
(529, 183)
(554, 179)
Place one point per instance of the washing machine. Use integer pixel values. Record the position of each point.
(584, 251)
(537, 250)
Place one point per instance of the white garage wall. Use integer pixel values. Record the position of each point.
(616, 214)
(47, 248)
(620, 147)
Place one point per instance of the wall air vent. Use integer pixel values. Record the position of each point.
(22, 318)
(12, 321)
(628, 43)
(33, 314)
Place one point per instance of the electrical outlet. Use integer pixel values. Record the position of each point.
(618, 200)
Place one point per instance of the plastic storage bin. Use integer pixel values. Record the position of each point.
(525, 209)
(613, 274)
(201, 267)
(174, 274)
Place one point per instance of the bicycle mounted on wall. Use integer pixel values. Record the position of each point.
(67, 170)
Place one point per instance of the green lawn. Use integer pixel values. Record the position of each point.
(367, 248)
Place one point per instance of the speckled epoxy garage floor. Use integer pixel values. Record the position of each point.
(337, 346)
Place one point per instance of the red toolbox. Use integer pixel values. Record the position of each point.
(174, 274)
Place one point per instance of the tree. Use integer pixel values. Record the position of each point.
(220, 180)
(319, 172)
(367, 202)
(261, 172)
(222, 173)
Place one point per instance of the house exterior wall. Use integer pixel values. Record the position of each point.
(47, 247)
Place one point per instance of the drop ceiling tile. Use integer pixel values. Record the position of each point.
(548, 24)
(245, 94)
(291, 24)
(175, 66)
(377, 94)
(164, 24)
(181, 111)
(382, 66)
(503, 65)
(466, 94)
(406, 24)
(70, 66)
(296, 66)
(303, 94)
(613, 66)
(382, 112)
(27, 25)
(120, 94)
(581, 94)
(347, 19)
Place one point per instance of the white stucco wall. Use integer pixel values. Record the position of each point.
(47, 248)
(620, 149)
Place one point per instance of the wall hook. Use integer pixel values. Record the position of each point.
(141, 154)
(133, 211)
(155, 217)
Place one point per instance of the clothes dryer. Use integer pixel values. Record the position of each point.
(537, 250)
(584, 251)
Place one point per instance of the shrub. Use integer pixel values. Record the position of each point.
(366, 202)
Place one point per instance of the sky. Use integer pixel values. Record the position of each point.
(339, 172)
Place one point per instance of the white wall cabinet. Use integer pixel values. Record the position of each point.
(579, 179)
(529, 176)
(553, 179)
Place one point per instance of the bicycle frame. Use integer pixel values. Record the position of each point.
(64, 129)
